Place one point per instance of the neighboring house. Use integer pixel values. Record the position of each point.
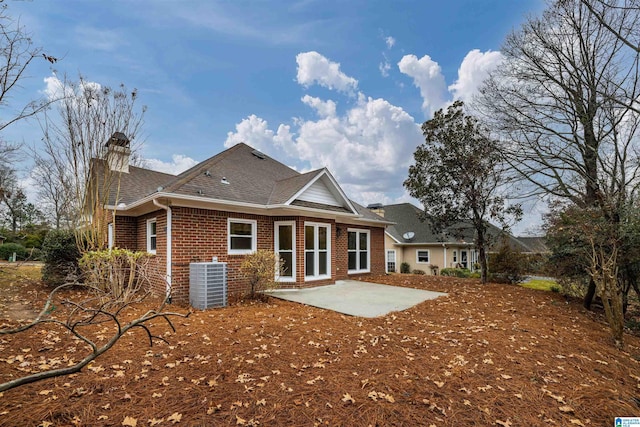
(412, 241)
(231, 205)
(534, 245)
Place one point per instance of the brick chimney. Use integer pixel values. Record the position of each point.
(118, 152)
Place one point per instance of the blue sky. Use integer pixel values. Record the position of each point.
(337, 84)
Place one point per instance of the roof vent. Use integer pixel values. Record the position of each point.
(375, 206)
(408, 235)
(258, 154)
(159, 189)
(224, 180)
(200, 192)
(207, 173)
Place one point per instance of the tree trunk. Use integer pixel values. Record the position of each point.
(591, 292)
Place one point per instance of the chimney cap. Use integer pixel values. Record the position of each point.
(375, 206)
(118, 139)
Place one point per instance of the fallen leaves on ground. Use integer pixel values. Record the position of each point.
(483, 355)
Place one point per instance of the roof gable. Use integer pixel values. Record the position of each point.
(322, 189)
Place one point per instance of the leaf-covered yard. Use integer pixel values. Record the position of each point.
(484, 355)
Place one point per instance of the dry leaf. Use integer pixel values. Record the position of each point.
(566, 409)
(175, 417)
(102, 417)
(262, 402)
(348, 399)
(504, 423)
(439, 383)
(154, 421)
(45, 424)
(577, 422)
(506, 377)
(240, 421)
(45, 392)
(130, 422)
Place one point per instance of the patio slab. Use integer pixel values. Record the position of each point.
(357, 298)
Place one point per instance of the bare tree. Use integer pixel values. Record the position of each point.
(53, 181)
(80, 315)
(74, 136)
(565, 101)
(620, 17)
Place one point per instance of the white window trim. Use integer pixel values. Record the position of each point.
(110, 236)
(386, 260)
(428, 256)
(149, 222)
(316, 251)
(368, 233)
(276, 245)
(254, 236)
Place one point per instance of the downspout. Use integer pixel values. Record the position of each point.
(169, 257)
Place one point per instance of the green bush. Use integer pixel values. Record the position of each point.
(507, 265)
(60, 255)
(456, 272)
(405, 268)
(7, 250)
(419, 272)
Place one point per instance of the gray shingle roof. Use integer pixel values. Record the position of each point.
(407, 219)
(136, 184)
(236, 174)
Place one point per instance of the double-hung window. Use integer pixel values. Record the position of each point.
(317, 251)
(242, 236)
(422, 256)
(358, 250)
(152, 236)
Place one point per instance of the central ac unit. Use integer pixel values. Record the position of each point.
(208, 284)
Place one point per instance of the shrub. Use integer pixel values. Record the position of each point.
(456, 272)
(405, 268)
(419, 272)
(260, 269)
(507, 265)
(60, 255)
(8, 249)
(120, 273)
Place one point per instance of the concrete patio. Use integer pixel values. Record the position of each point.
(357, 298)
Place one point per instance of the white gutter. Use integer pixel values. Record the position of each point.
(169, 257)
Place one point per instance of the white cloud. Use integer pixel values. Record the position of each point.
(475, 67)
(179, 163)
(313, 68)
(368, 149)
(323, 108)
(384, 68)
(255, 131)
(427, 76)
(390, 41)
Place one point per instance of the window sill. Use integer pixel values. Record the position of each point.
(316, 278)
(358, 271)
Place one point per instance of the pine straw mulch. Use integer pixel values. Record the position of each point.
(483, 355)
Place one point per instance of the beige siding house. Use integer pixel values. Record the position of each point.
(412, 241)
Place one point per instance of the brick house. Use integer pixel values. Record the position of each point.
(232, 204)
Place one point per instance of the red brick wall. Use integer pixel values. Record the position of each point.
(198, 235)
(126, 232)
(376, 255)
